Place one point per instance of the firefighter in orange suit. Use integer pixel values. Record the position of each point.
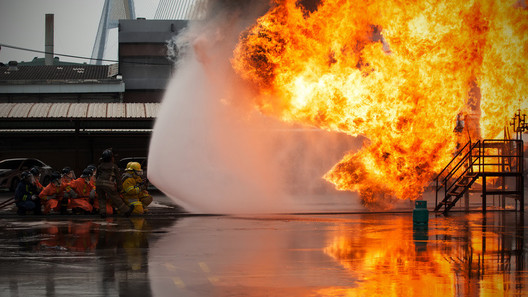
(67, 193)
(93, 170)
(51, 195)
(80, 202)
(134, 188)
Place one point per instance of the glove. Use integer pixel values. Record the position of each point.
(92, 194)
(70, 194)
(34, 197)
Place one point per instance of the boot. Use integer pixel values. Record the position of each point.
(130, 210)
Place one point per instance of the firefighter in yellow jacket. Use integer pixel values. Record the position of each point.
(135, 188)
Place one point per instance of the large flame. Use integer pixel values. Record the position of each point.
(397, 72)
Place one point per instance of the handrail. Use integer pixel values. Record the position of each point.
(444, 182)
(509, 156)
(462, 175)
(457, 166)
(468, 168)
(454, 157)
(462, 161)
(467, 156)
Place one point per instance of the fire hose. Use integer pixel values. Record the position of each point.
(7, 202)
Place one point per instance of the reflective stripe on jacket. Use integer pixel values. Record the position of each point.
(131, 185)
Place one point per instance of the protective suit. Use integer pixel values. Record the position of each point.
(26, 195)
(134, 188)
(84, 191)
(108, 185)
(95, 199)
(52, 194)
(67, 192)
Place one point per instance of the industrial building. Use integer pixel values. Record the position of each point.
(66, 114)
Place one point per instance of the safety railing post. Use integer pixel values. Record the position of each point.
(436, 194)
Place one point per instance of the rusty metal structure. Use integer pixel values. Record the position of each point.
(497, 163)
(519, 124)
(489, 166)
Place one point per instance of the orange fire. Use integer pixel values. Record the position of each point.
(396, 72)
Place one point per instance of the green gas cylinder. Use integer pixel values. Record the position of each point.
(420, 213)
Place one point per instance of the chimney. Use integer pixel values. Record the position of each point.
(13, 66)
(48, 48)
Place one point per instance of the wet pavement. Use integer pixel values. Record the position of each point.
(171, 253)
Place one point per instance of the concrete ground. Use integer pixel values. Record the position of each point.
(173, 253)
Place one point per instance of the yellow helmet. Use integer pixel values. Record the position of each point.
(133, 166)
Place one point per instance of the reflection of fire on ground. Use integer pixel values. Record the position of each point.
(388, 263)
(456, 257)
(396, 72)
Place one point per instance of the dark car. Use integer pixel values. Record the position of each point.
(10, 170)
(122, 164)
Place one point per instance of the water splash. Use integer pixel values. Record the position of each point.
(212, 152)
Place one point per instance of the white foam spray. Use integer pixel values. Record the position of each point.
(211, 151)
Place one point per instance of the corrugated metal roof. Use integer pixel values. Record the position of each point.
(135, 109)
(115, 110)
(5, 109)
(39, 109)
(151, 109)
(97, 110)
(57, 72)
(79, 110)
(20, 110)
(57, 110)
(180, 10)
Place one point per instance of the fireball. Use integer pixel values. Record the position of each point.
(396, 72)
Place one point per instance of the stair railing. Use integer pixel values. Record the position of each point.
(468, 158)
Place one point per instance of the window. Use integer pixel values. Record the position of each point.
(30, 163)
(10, 164)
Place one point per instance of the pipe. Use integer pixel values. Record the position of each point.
(48, 46)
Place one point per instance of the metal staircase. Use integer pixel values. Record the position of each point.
(497, 163)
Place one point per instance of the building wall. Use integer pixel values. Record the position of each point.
(143, 61)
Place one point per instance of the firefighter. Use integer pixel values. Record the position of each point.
(80, 202)
(51, 195)
(26, 195)
(93, 169)
(135, 188)
(94, 198)
(108, 185)
(67, 177)
(36, 176)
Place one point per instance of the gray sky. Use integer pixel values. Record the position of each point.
(22, 24)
